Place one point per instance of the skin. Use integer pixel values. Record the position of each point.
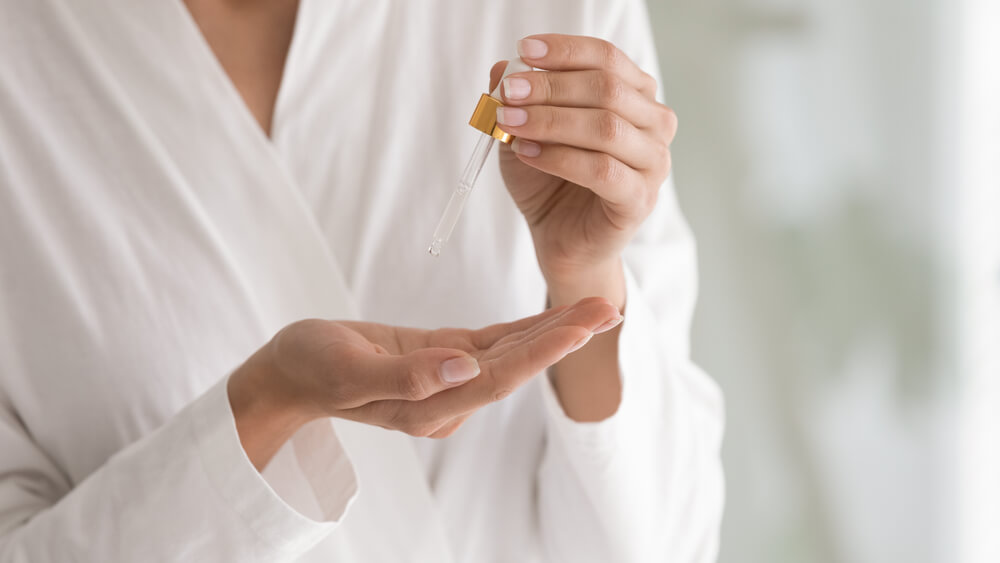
(392, 377)
(593, 149)
(250, 39)
(592, 152)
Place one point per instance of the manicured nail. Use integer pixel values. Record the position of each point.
(511, 116)
(609, 325)
(580, 344)
(516, 88)
(459, 370)
(527, 148)
(532, 48)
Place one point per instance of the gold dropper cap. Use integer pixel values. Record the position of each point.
(484, 118)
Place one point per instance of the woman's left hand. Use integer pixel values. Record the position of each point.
(592, 150)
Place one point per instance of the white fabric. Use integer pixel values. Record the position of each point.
(152, 238)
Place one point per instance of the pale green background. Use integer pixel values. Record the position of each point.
(807, 165)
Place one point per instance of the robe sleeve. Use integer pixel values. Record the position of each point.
(185, 492)
(645, 484)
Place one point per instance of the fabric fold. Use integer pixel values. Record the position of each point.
(316, 479)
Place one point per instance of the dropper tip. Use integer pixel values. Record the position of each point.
(435, 248)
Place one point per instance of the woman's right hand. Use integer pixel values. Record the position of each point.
(421, 382)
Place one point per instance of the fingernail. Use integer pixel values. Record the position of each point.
(460, 369)
(580, 344)
(516, 88)
(511, 116)
(609, 325)
(527, 148)
(532, 48)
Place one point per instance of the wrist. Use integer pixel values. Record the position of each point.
(587, 382)
(258, 386)
(266, 414)
(605, 280)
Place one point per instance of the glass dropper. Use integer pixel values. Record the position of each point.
(485, 120)
(457, 201)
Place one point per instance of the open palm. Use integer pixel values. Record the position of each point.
(390, 376)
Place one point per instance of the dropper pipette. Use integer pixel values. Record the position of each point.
(485, 120)
(457, 201)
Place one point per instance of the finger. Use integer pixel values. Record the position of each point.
(584, 89)
(426, 417)
(404, 416)
(450, 427)
(585, 313)
(366, 376)
(587, 128)
(508, 368)
(621, 186)
(520, 363)
(505, 374)
(488, 336)
(517, 364)
(553, 51)
(407, 417)
(400, 340)
(495, 73)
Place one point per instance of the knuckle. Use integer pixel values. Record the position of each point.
(610, 88)
(549, 85)
(610, 127)
(607, 170)
(669, 120)
(571, 51)
(551, 121)
(612, 55)
(662, 151)
(661, 168)
(413, 385)
(649, 83)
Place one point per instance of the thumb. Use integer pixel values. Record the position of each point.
(496, 73)
(412, 377)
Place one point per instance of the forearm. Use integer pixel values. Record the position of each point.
(587, 382)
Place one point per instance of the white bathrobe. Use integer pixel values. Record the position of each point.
(152, 237)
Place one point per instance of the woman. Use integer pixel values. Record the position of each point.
(182, 181)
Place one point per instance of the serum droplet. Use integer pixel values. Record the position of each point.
(435, 249)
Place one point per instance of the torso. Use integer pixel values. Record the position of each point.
(151, 231)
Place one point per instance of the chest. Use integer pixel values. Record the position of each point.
(250, 41)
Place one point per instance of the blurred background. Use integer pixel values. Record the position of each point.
(839, 163)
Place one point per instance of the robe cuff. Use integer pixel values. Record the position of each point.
(301, 499)
(637, 359)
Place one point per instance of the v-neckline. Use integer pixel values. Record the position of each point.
(235, 99)
(268, 145)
